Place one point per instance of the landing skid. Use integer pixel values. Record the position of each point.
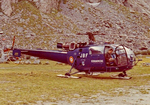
(117, 77)
(121, 76)
(67, 76)
(89, 74)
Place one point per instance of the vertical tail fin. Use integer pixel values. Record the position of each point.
(8, 49)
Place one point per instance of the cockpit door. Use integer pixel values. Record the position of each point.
(121, 56)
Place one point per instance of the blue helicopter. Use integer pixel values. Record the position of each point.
(88, 57)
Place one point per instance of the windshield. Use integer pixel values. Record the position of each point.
(121, 56)
(120, 50)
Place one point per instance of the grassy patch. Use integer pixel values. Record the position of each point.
(24, 84)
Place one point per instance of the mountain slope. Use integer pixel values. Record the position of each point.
(112, 20)
(123, 22)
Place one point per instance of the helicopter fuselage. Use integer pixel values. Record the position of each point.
(90, 58)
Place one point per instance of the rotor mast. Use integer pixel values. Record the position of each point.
(90, 35)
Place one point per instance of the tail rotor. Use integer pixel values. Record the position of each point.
(8, 49)
(13, 43)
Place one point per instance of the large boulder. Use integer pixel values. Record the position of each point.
(47, 5)
(6, 7)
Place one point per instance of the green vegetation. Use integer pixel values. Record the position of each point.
(30, 16)
(74, 4)
(24, 84)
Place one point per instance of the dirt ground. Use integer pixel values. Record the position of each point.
(124, 96)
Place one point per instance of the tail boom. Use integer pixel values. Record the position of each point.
(59, 56)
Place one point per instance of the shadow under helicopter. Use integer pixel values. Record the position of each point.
(98, 76)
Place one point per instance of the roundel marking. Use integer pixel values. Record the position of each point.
(71, 59)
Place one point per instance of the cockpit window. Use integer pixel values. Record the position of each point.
(121, 56)
(120, 50)
(96, 50)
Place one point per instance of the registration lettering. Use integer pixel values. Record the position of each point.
(83, 55)
(97, 61)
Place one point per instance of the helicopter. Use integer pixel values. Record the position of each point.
(87, 57)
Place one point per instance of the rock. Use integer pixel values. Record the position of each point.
(37, 62)
(129, 40)
(16, 62)
(143, 48)
(6, 7)
(46, 6)
(1, 32)
(1, 14)
(27, 62)
(14, 1)
(46, 63)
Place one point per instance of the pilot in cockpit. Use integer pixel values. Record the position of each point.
(110, 58)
